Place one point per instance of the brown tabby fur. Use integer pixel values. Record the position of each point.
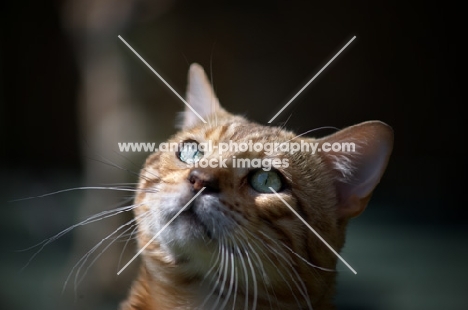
(275, 256)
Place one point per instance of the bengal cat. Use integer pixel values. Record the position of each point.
(237, 245)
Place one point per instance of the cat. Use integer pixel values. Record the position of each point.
(237, 245)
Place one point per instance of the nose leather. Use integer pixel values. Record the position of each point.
(200, 178)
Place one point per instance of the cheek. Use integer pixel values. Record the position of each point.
(272, 207)
(258, 210)
(240, 204)
(275, 220)
(172, 196)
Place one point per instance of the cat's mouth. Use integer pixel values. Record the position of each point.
(195, 219)
(204, 219)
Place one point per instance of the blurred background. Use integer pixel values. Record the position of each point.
(70, 90)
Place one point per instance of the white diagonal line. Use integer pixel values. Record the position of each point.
(315, 76)
(161, 78)
(313, 230)
(160, 231)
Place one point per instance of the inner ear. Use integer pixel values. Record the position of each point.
(200, 96)
(358, 157)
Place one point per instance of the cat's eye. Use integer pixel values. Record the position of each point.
(189, 152)
(261, 181)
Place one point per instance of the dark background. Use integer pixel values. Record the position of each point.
(409, 247)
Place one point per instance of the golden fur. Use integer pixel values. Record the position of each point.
(245, 248)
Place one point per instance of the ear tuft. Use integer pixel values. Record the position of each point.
(358, 172)
(200, 95)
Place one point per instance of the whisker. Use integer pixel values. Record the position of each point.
(83, 259)
(315, 129)
(79, 188)
(107, 238)
(246, 275)
(307, 262)
(133, 184)
(254, 279)
(264, 274)
(84, 222)
(231, 282)
(285, 122)
(281, 275)
(235, 286)
(302, 289)
(225, 273)
(213, 109)
(94, 218)
(306, 132)
(109, 163)
(220, 270)
(87, 255)
(125, 246)
(136, 166)
(213, 266)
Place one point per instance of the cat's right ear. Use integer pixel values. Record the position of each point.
(357, 171)
(200, 96)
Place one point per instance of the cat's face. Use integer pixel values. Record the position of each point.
(237, 227)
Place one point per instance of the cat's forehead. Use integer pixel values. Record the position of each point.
(234, 130)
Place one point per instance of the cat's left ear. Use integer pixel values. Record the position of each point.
(357, 172)
(200, 96)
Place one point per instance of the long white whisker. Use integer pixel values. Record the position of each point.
(235, 286)
(79, 188)
(259, 263)
(137, 166)
(313, 230)
(279, 269)
(132, 184)
(304, 133)
(254, 279)
(246, 275)
(77, 283)
(213, 265)
(83, 260)
(107, 162)
(84, 222)
(97, 217)
(225, 273)
(302, 289)
(231, 281)
(216, 284)
(306, 261)
(125, 246)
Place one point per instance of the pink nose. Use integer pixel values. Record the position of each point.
(200, 178)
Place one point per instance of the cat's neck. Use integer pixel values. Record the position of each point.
(161, 293)
(163, 289)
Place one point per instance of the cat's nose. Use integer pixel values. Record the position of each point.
(200, 178)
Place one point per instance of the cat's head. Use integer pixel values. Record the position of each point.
(237, 224)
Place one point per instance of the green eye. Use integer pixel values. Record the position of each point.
(261, 181)
(189, 152)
